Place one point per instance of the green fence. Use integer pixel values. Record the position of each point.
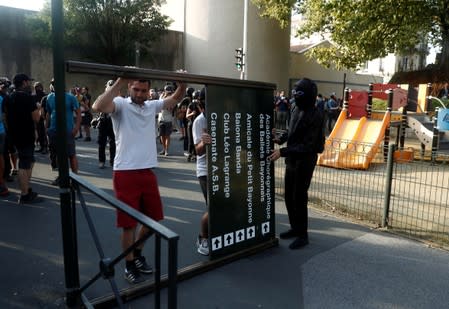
(410, 199)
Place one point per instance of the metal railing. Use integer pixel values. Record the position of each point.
(406, 196)
(106, 264)
(419, 200)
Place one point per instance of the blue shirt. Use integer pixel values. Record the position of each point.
(71, 104)
(2, 125)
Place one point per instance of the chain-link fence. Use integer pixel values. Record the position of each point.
(410, 197)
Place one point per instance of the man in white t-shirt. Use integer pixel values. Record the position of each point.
(201, 138)
(135, 184)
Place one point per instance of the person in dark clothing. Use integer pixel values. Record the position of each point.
(105, 135)
(22, 116)
(332, 109)
(444, 92)
(305, 139)
(38, 95)
(192, 112)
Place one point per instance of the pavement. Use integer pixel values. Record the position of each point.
(346, 265)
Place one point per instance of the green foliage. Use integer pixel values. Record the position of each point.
(105, 30)
(279, 10)
(367, 29)
(379, 104)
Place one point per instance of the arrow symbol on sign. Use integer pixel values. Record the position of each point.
(251, 232)
(228, 239)
(265, 228)
(217, 243)
(240, 236)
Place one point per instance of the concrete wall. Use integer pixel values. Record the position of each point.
(214, 29)
(19, 55)
(328, 80)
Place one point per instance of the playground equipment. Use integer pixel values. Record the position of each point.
(359, 131)
(353, 143)
(431, 131)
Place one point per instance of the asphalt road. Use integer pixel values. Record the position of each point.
(345, 266)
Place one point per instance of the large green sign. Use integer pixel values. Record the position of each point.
(240, 179)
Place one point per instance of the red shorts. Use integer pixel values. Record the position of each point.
(139, 190)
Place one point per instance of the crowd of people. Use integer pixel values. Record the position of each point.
(132, 124)
(39, 131)
(28, 126)
(330, 107)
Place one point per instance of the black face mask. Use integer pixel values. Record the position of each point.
(304, 93)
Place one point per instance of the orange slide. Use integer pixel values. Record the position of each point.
(353, 143)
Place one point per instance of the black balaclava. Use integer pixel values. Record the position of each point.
(305, 92)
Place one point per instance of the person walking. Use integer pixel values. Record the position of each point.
(22, 117)
(134, 182)
(305, 139)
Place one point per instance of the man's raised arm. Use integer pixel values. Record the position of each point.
(177, 96)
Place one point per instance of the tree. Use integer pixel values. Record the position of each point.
(105, 30)
(367, 29)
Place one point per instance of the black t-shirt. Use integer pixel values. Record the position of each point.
(193, 106)
(20, 121)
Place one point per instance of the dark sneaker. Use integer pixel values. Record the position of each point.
(288, 234)
(30, 198)
(299, 243)
(142, 265)
(133, 275)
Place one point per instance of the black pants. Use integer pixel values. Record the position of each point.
(191, 145)
(331, 118)
(298, 175)
(8, 148)
(105, 135)
(41, 134)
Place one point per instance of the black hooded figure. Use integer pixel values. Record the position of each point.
(305, 139)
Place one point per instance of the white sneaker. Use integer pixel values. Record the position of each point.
(202, 246)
